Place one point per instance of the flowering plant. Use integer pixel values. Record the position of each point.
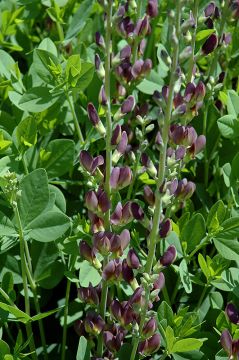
(119, 204)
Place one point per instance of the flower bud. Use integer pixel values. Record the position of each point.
(226, 342)
(149, 195)
(149, 328)
(152, 8)
(99, 67)
(102, 96)
(137, 211)
(149, 165)
(210, 44)
(113, 338)
(132, 259)
(102, 243)
(128, 105)
(87, 252)
(149, 346)
(91, 201)
(142, 27)
(232, 313)
(89, 163)
(210, 9)
(165, 228)
(99, 40)
(120, 177)
(121, 148)
(159, 282)
(125, 53)
(169, 256)
(89, 295)
(94, 324)
(112, 271)
(116, 136)
(94, 118)
(127, 272)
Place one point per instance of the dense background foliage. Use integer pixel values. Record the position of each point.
(48, 76)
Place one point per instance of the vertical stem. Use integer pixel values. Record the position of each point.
(63, 351)
(24, 280)
(191, 61)
(76, 124)
(107, 186)
(136, 42)
(162, 160)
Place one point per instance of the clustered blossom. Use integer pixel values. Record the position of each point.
(111, 249)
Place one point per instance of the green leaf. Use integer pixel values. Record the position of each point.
(228, 126)
(49, 226)
(73, 69)
(203, 265)
(43, 255)
(170, 339)
(165, 312)
(229, 249)
(203, 34)
(83, 352)
(48, 45)
(233, 103)
(190, 355)
(216, 300)
(86, 76)
(18, 314)
(7, 64)
(26, 132)
(88, 274)
(37, 99)
(58, 157)
(185, 277)
(34, 195)
(4, 143)
(6, 226)
(79, 19)
(193, 238)
(216, 214)
(55, 275)
(4, 349)
(230, 228)
(188, 344)
(45, 314)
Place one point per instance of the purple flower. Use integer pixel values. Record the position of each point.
(210, 44)
(89, 295)
(149, 328)
(169, 256)
(132, 259)
(89, 163)
(99, 40)
(120, 177)
(152, 8)
(94, 118)
(113, 270)
(94, 324)
(150, 345)
(87, 252)
(230, 346)
(113, 338)
(232, 313)
(165, 228)
(128, 105)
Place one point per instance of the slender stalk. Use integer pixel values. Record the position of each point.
(136, 41)
(63, 349)
(192, 61)
(141, 325)
(24, 280)
(136, 164)
(201, 297)
(162, 159)
(76, 124)
(6, 297)
(107, 187)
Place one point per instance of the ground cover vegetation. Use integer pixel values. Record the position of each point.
(119, 173)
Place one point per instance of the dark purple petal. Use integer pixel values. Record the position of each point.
(226, 341)
(128, 105)
(132, 259)
(91, 201)
(210, 44)
(86, 160)
(93, 114)
(232, 313)
(123, 143)
(169, 256)
(114, 177)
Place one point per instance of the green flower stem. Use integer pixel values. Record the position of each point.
(136, 164)
(107, 187)
(6, 297)
(63, 349)
(136, 40)
(24, 280)
(162, 159)
(76, 123)
(192, 60)
(136, 339)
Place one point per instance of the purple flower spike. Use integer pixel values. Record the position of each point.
(132, 259)
(113, 338)
(169, 256)
(89, 295)
(150, 327)
(121, 148)
(116, 136)
(113, 270)
(210, 44)
(128, 105)
(232, 313)
(142, 27)
(152, 8)
(120, 177)
(91, 201)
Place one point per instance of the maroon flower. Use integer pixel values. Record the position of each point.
(210, 44)
(150, 345)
